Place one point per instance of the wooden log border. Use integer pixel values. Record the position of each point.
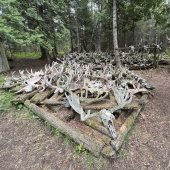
(93, 141)
(105, 146)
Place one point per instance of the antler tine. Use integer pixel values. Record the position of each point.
(12, 74)
(32, 72)
(27, 71)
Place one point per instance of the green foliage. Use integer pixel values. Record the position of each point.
(61, 53)
(80, 149)
(2, 79)
(20, 106)
(32, 114)
(68, 140)
(63, 38)
(38, 22)
(57, 133)
(31, 55)
(11, 22)
(5, 101)
(5, 97)
(57, 25)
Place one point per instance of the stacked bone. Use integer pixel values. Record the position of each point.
(82, 87)
(141, 56)
(132, 57)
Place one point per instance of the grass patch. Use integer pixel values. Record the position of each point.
(6, 106)
(32, 55)
(80, 149)
(29, 55)
(5, 98)
(57, 133)
(2, 79)
(61, 53)
(5, 101)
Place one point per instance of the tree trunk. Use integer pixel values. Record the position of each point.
(45, 54)
(55, 50)
(133, 23)
(115, 42)
(99, 31)
(71, 41)
(124, 38)
(77, 32)
(78, 39)
(99, 38)
(4, 66)
(70, 26)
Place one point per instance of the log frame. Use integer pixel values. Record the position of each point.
(104, 146)
(97, 146)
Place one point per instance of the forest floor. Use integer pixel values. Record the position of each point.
(28, 143)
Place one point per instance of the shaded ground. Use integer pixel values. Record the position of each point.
(25, 143)
(20, 64)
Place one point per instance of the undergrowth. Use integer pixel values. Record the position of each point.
(2, 78)
(5, 98)
(5, 101)
(29, 55)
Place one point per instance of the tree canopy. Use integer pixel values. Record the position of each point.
(70, 25)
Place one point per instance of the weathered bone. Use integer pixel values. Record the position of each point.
(83, 83)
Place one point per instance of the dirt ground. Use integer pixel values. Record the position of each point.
(21, 64)
(26, 143)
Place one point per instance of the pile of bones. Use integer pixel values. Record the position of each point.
(139, 57)
(81, 84)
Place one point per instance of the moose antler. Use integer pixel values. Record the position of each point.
(86, 83)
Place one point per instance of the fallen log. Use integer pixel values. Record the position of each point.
(39, 97)
(23, 97)
(131, 106)
(125, 129)
(97, 125)
(16, 88)
(94, 141)
(99, 105)
(127, 125)
(66, 114)
(54, 100)
(8, 87)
